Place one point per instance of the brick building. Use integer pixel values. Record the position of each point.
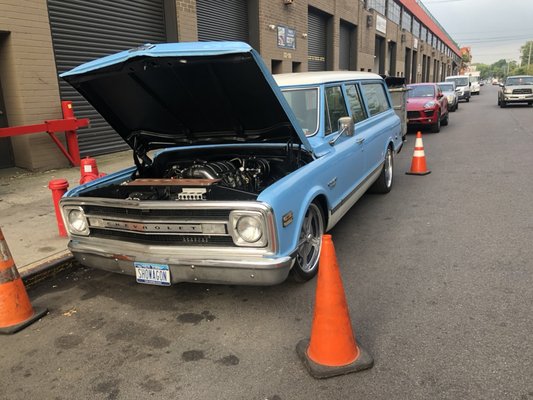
(41, 38)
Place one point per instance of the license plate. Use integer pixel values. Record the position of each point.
(152, 274)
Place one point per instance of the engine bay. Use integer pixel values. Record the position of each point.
(214, 175)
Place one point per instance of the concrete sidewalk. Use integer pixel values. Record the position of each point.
(27, 216)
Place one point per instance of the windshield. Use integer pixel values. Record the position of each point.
(519, 80)
(304, 104)
(461, 81)
(421, 91)
(474, 79)
(446, 87)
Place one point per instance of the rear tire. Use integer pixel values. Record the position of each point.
(384, 183)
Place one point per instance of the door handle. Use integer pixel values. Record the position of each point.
(359, 140)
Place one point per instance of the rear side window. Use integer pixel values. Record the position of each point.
(335, 108)
(354, 100)
(376, 98)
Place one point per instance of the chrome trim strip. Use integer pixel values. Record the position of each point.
(342, 208)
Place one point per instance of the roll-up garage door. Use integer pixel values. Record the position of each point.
(84, 30)
(222, 20)
(346, 46)
(317, 41)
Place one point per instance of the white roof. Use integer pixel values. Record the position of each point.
(310, 78)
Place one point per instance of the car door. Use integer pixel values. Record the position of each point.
(349, 168)
(378, 126)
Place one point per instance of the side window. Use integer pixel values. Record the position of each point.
(376, 98)
(354, 99)
(335, 108)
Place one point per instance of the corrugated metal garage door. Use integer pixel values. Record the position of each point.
(222, 20)
(317, 41)
(84, 30)
(346, 48)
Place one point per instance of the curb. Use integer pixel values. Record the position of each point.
(46, 268)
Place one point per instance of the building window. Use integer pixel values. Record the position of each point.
(394, 11)
(378, 5)
(406, 20)
(423, 33)
(416, 28)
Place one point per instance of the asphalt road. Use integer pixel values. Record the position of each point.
(438, 275)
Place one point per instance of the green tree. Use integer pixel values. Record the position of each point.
(526, 53)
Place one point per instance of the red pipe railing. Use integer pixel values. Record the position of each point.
(69, 124)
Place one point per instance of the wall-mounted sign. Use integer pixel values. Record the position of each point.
(286, 37)
(381, 24)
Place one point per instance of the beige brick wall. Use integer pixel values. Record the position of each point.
(186, 16)
(29, 80)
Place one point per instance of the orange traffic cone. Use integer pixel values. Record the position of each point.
(332, 349)
(418, 165)
(16, 311)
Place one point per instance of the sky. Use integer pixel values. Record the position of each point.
(493, 29)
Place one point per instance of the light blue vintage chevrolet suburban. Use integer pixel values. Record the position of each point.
(237, 173)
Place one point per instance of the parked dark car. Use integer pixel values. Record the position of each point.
(427, 106)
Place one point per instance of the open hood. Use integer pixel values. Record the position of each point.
(181, 94)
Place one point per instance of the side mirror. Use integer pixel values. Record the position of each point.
(346, 126)
(440, 96)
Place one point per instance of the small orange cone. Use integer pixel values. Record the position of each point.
(332, 349)
(16, 311)
(418, 165)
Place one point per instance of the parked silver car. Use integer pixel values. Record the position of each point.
(448, 89)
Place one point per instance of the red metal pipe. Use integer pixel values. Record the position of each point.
(58, 188)
(71, 135)
(69, 124)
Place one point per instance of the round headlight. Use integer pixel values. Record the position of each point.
(249, 229)
(77, 221)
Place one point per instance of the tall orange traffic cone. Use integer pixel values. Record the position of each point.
(332, 349)
(418, 164)
(16, 311)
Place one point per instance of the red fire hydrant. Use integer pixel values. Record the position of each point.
(89, 170)
(58, 188)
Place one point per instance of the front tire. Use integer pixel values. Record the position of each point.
(386, 178)
(468, 99)
(445, 120)
(503, 104)
(309, 244)
(435, 128)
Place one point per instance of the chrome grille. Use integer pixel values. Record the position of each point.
(183, 240)
(165, 226)
(522, 91)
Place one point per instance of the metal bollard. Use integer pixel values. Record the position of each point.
(58, 188)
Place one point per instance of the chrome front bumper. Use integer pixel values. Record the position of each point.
(236, 266)
(517, 98)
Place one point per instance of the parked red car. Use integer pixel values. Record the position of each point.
(426, 106)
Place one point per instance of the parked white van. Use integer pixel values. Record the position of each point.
(462, 86)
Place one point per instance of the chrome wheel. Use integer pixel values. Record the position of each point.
(309, 244)
(388, 168)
